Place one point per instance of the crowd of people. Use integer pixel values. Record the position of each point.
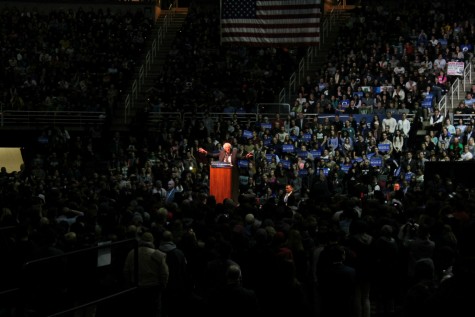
(335, 216)
(67, 59)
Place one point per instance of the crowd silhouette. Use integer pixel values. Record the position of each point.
(365, 233)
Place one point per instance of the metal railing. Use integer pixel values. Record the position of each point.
(35, 119)
(467, 118)
(137, 85)
(156, 119)
(312, 52)
(459, 88)
(93, 253)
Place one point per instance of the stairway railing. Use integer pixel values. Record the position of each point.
(297, 77)
(137, 85)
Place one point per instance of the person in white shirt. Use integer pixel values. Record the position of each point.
(404, 125)
(466, 155)
(399, 69)
(399, 92)
(390, 122)
(440, 63)
(434, 41)
(411, 86)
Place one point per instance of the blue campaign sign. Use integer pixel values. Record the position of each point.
(243, 163)
(293, 138)
(269, 157)
(357, 160)
(384, 147)
(397, 171)
(307, 137)
(370, 155)
(247, 134)
(288, 148)
(267, 141)
(285, 164)
(408, 176)
(325, 170)
(266, 125)
(428, 101)
(316, 153)
(345, 167)
(302, 154)
(376, 161)
(345, 103)
(303, 172)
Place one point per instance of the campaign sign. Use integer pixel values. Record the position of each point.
(303, 172)
(325, 170)
(397, 171)
(288, 148)
(316, 153)
(384, 147)
(293, 138)
(357, 160)
(247, 134)
(306, 137)
(267, 141)
(408, 176)
(285, 164)
(345, 167)
(243, 163)
(302, 154)
(266, 125)
(269, 157)
(376, 161)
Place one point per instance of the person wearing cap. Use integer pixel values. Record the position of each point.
(152, 276)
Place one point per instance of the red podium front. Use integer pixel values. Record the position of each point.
(223, 183)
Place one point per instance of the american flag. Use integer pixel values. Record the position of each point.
(271, 23)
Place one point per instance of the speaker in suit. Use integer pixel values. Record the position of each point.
(227, 154)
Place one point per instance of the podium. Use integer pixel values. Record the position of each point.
(223, 182)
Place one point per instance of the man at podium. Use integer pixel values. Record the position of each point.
(228, 154)
(224, 179)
